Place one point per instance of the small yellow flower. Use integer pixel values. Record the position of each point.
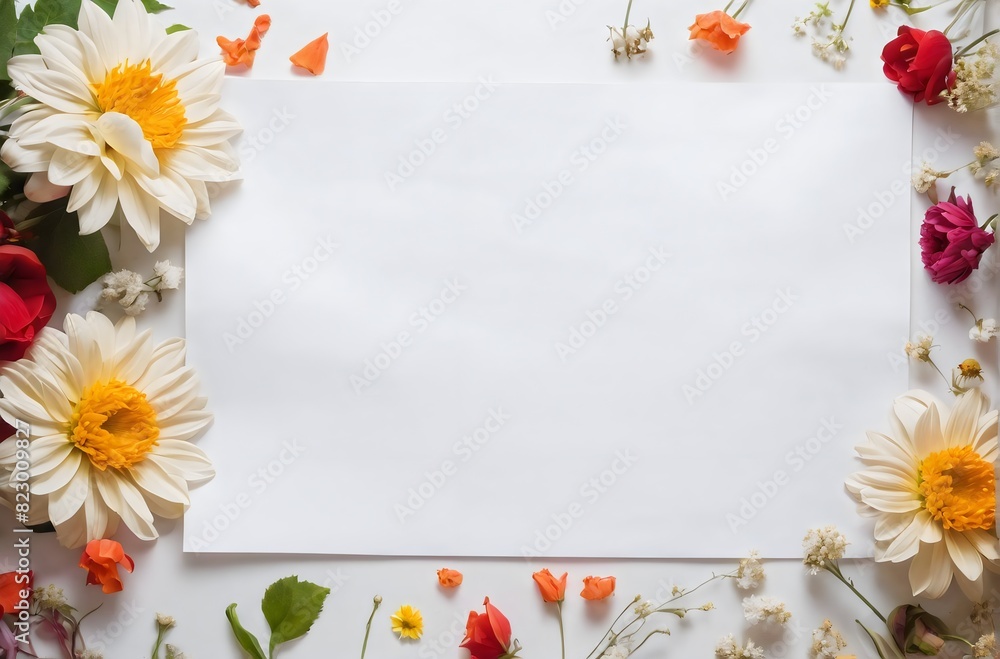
(407, 622)
(878, 4)
(970, 368)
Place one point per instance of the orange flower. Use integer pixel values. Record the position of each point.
(552, 589)
(719, 29)
(449, 578)
(14, 588)
(312, 57)
(101, 559)
(597, 588)
(253, 3)
(243, 51)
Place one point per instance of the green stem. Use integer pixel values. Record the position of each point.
(946, 380)
(962, 11)
(971, 312)
(628, 12)
(834, 569)
(703, 583)
(156, 645)
(850, 8)
(737, 13)
(729, 4)
(368, 627)
(975, 43)
(988, 222)
(951, 637)
(562, 633)
(611, 628)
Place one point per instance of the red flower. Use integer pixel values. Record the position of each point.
(26, 301)
(951, 242)
(15, 587)
(101, 559)
(920, 63)
(487, 636)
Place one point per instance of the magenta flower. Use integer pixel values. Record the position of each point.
(951, 240)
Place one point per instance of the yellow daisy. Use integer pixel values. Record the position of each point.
(407, 622)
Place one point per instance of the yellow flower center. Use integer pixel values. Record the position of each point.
(150, 101)
(114, 425)
(970, 368)
(959, 489)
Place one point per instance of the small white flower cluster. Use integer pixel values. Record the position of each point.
(750, 573)
(823, 546)
(644, 609)
(91, 654)
(984, 330)
(174, 653)
(763, 609)
(165, 621)
(926, 177)
(975, 87)
(49, 597)
(128, 289)
(828, 45)
(827, 641)
(983, 167)
(633, 41)
(617, 652)
(985, 647)
(728, 648)
(921, 350)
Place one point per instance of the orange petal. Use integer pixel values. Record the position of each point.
(312, 57)
(253, 3)
(233, 52)
(262, 23)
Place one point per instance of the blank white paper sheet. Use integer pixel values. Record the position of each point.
(548, 319)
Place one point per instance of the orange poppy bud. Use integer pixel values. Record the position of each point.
(597, 588)
(552, 589)
(449, 578)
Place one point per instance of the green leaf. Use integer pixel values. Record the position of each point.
(152, 6)
(291, 607)
(885, 649)
(8, 34)
(45, 12)
(246, 640)
(73, 261)
(177, 27)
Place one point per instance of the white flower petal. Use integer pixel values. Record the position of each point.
(931, 571)
(964, 555)
(125, 136)
(141, 210)
(124, 498)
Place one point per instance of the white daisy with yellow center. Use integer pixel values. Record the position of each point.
(931, 486)
(111, 415)
(124, 118)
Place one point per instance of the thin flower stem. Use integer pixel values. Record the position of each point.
(368, 627)
(962, 11)
(729, 4)
(562, 633)
(971, 312)
(611, 629)
(952, 637)
(975, 43)
(736, 14)
(850, 8)
(834, 569)
(946, 380)
(703, 583)
(156, 646)
(628, 12)
(989, 221)
(649, 636)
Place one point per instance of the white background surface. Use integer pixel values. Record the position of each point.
(644, 320)
(515, 44)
